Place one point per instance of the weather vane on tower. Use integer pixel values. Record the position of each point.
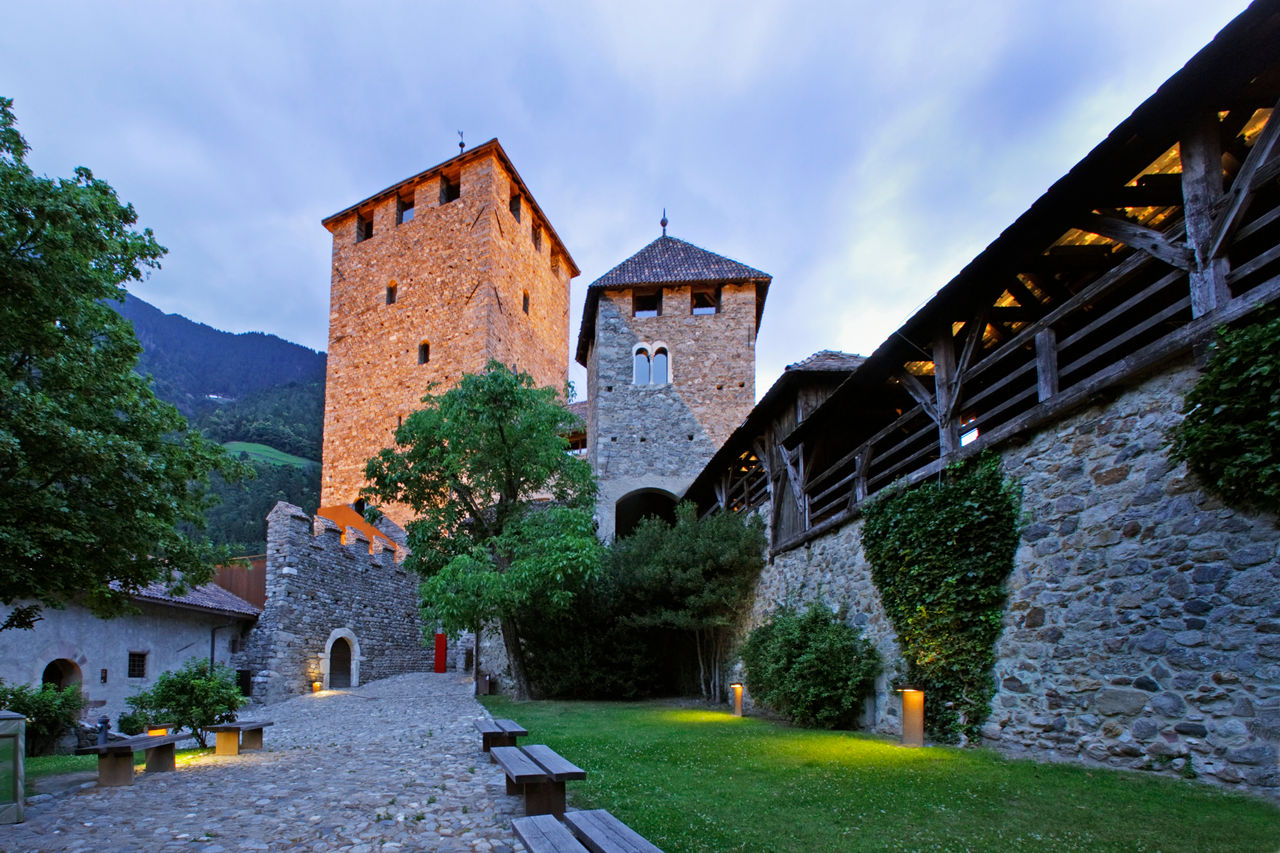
(663, 223)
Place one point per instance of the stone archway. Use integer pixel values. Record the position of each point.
(642, 503)
(340, 663)
(62, 673)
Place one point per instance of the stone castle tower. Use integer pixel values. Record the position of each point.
(433, 277)
(668, 339)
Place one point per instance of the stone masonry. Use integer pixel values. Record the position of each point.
(321, 589)
(1142, 629)
(461, 267)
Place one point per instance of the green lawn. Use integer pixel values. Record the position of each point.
(691, 779)
(53, 765)
(266, 453)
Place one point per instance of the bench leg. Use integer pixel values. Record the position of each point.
(160, 758)
(487, 742)
(514, 787)
(252, 739)
(544, 798)
(228, 743)
(115, 769)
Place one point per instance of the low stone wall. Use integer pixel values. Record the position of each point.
(1142, 629)
(320, 590)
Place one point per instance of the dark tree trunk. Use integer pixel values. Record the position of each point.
(515, 657)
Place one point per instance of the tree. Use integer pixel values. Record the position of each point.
(197, 696)
(692, 576)
(99, 480)
(503, 512)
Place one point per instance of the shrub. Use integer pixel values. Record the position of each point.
(49, 711)
(1229, 438)
(195, 697)
(811, 667)
(133, 722)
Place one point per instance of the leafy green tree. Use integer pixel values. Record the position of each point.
(97, 476)
(503, 512)
(49, 710)
(1230, 437)
(693, 576)
(195, 697)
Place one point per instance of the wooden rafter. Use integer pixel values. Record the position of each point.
(1242, 189)
(1153, 242)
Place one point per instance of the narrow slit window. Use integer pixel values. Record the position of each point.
(450, 190)
(424, 352)
(705, 300)
(660, 366)
(391, 293)
(537, 238)
(364, 228)
(641, 370)
(525, 303)
(404, 211)
(515, 207)
(646, 304)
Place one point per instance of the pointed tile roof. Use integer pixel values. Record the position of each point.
(667, 260)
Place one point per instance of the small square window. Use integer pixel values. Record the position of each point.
(515, 207)
(424, 352)
(705, 300)
(537, 238)
(404, 211)
(646, 304)
(137, 664)
(364, 228)
(526, 302)
(449, 190)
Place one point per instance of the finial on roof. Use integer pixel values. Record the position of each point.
(462, 146)
(663, 223)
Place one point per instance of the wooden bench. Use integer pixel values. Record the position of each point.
(115, 759)
(499, 733)
(237, 736)
(538, 772)
(596, 831)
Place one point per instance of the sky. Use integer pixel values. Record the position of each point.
(859, 152)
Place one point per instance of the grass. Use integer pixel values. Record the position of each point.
(266, 453)
(694, 779)
(55, 765)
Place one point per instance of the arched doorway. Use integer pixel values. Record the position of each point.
(340, 663)
(61, 673)
(642, 503)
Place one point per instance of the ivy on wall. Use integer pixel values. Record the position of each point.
(940, 553)
(1230, 438)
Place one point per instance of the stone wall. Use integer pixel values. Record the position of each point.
(1143, 625)
(461, 271)
(320, 589)
(660, 436)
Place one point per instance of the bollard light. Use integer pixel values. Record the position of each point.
(912, 716)
(315, 686)
(158, 730)
(13, 736)
(736, 687)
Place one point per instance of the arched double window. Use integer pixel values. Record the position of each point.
(651, 365)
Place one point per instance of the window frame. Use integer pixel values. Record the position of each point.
(643, 313)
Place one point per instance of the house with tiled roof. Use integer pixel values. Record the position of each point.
(668, 340)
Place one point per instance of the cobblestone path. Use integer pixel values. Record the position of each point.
(392, 765)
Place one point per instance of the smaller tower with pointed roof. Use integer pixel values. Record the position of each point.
(668, 339)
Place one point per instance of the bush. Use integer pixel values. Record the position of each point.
(133, 722)
(49, 710)
(195, 697)
(811, 667)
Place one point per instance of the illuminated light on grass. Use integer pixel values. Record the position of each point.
(736, 687)
(912, 716)
(691, 716)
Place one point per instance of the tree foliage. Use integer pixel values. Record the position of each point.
(503, 512)
(96, 474)
(49, 710)
(940, 554)
(195, 697)
(239, 519)
(1230, 437)
(811, 667)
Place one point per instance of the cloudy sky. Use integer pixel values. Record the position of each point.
(859, 152)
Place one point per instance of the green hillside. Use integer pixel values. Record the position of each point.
(265, 453)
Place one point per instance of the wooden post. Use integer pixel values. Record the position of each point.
(945, 391)
(1201, 150)
(1046, 363)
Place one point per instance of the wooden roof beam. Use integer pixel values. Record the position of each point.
(1149, 240)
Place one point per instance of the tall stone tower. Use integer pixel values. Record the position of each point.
(668, 339)
(433, 277)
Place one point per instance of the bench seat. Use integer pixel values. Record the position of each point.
(539, 773)
(499, 733)
(544, 834)
(115, 759)
(239, 735)
(601, 832)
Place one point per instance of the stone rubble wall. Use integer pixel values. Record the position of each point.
(1142, 629)
(317, 585)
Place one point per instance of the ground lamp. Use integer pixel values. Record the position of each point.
(13, 731)
(315, 686)
(736, 687)
(912, 716)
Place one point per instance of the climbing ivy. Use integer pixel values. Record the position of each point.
(1230, 438)
(939, 554)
